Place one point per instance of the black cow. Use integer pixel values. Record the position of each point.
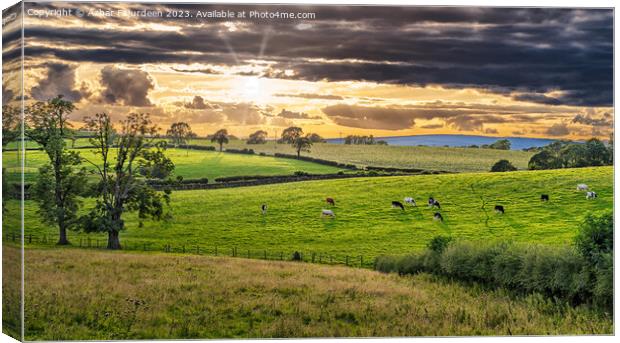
(431, 201)
(499, 209)
(544, 197)
(436, 204)
(438, 216)
(398, 204)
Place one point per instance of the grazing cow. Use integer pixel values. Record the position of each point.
(499, 209)
(331, 201)
(436, 204)
(263, 208)
(398, 204)
(582, 187)
(327, 213)
(410, 200)
(544, 197)
(591, 195)
(438, 216)
(431, 201)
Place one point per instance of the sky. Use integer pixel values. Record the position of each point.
(339, 70)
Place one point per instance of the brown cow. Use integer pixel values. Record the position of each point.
(330, 201)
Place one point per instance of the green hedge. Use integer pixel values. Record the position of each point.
(578, 274)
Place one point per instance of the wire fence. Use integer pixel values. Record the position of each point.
(198, 249)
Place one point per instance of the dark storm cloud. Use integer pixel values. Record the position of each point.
(371, 117)
(60, 80)
(559, 129)
(296, 115)
(198, 103)
(528, 52)
(606, 120)
(125, 86)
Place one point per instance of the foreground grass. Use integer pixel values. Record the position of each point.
(365, 224)
(191, 164)
(84, 295)
(429, 158)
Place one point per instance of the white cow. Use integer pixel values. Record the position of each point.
(327, 213)
(582, 187)
(591, 195)
(409, 200)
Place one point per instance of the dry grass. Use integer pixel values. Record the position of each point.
(75, 294)
(11, 291)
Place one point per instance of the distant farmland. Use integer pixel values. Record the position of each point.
(429, 158)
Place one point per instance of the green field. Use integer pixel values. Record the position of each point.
(89, 295)
(191, 164)
(365, 223)
(429, 158)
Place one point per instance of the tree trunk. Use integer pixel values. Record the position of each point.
(298, 153)
(113, 241)
(221, 145)
(62, 239)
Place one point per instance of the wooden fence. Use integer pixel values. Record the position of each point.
(197, 249)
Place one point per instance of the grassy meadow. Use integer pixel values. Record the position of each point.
(429, 158)
(90, 295)
(365, 224)
(191, 164)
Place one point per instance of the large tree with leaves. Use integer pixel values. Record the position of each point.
(221, 137)
(60, 182)
(129, 157)
(302, 144)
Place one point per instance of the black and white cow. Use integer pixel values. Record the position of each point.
(398, 204)
(499, 209)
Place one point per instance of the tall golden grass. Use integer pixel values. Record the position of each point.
(75, 294)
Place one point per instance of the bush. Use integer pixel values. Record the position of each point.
(439, 243)
(503, 166)
(596, 236)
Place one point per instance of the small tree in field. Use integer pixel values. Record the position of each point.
(302, 144)
(59, 184)
(503, 166)
(122, 185)
(221, 137)
(180, 133)
(258, 137)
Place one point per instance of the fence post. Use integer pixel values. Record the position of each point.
(265, 254)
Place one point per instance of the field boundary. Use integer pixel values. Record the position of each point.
(49, 241)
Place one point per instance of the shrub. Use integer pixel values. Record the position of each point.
(296, 256)
(439, 243)
(596, 236)
(503, 166)
(301, 173)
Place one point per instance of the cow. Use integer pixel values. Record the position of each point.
(438, 216)
(327, 213)
(544, 197)
(331, 201)
(499, 209)
(410, 200)
(582, 187)
(431, 201)
(398, 204)
(591, 195)
(263, 208)
(436, 204)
